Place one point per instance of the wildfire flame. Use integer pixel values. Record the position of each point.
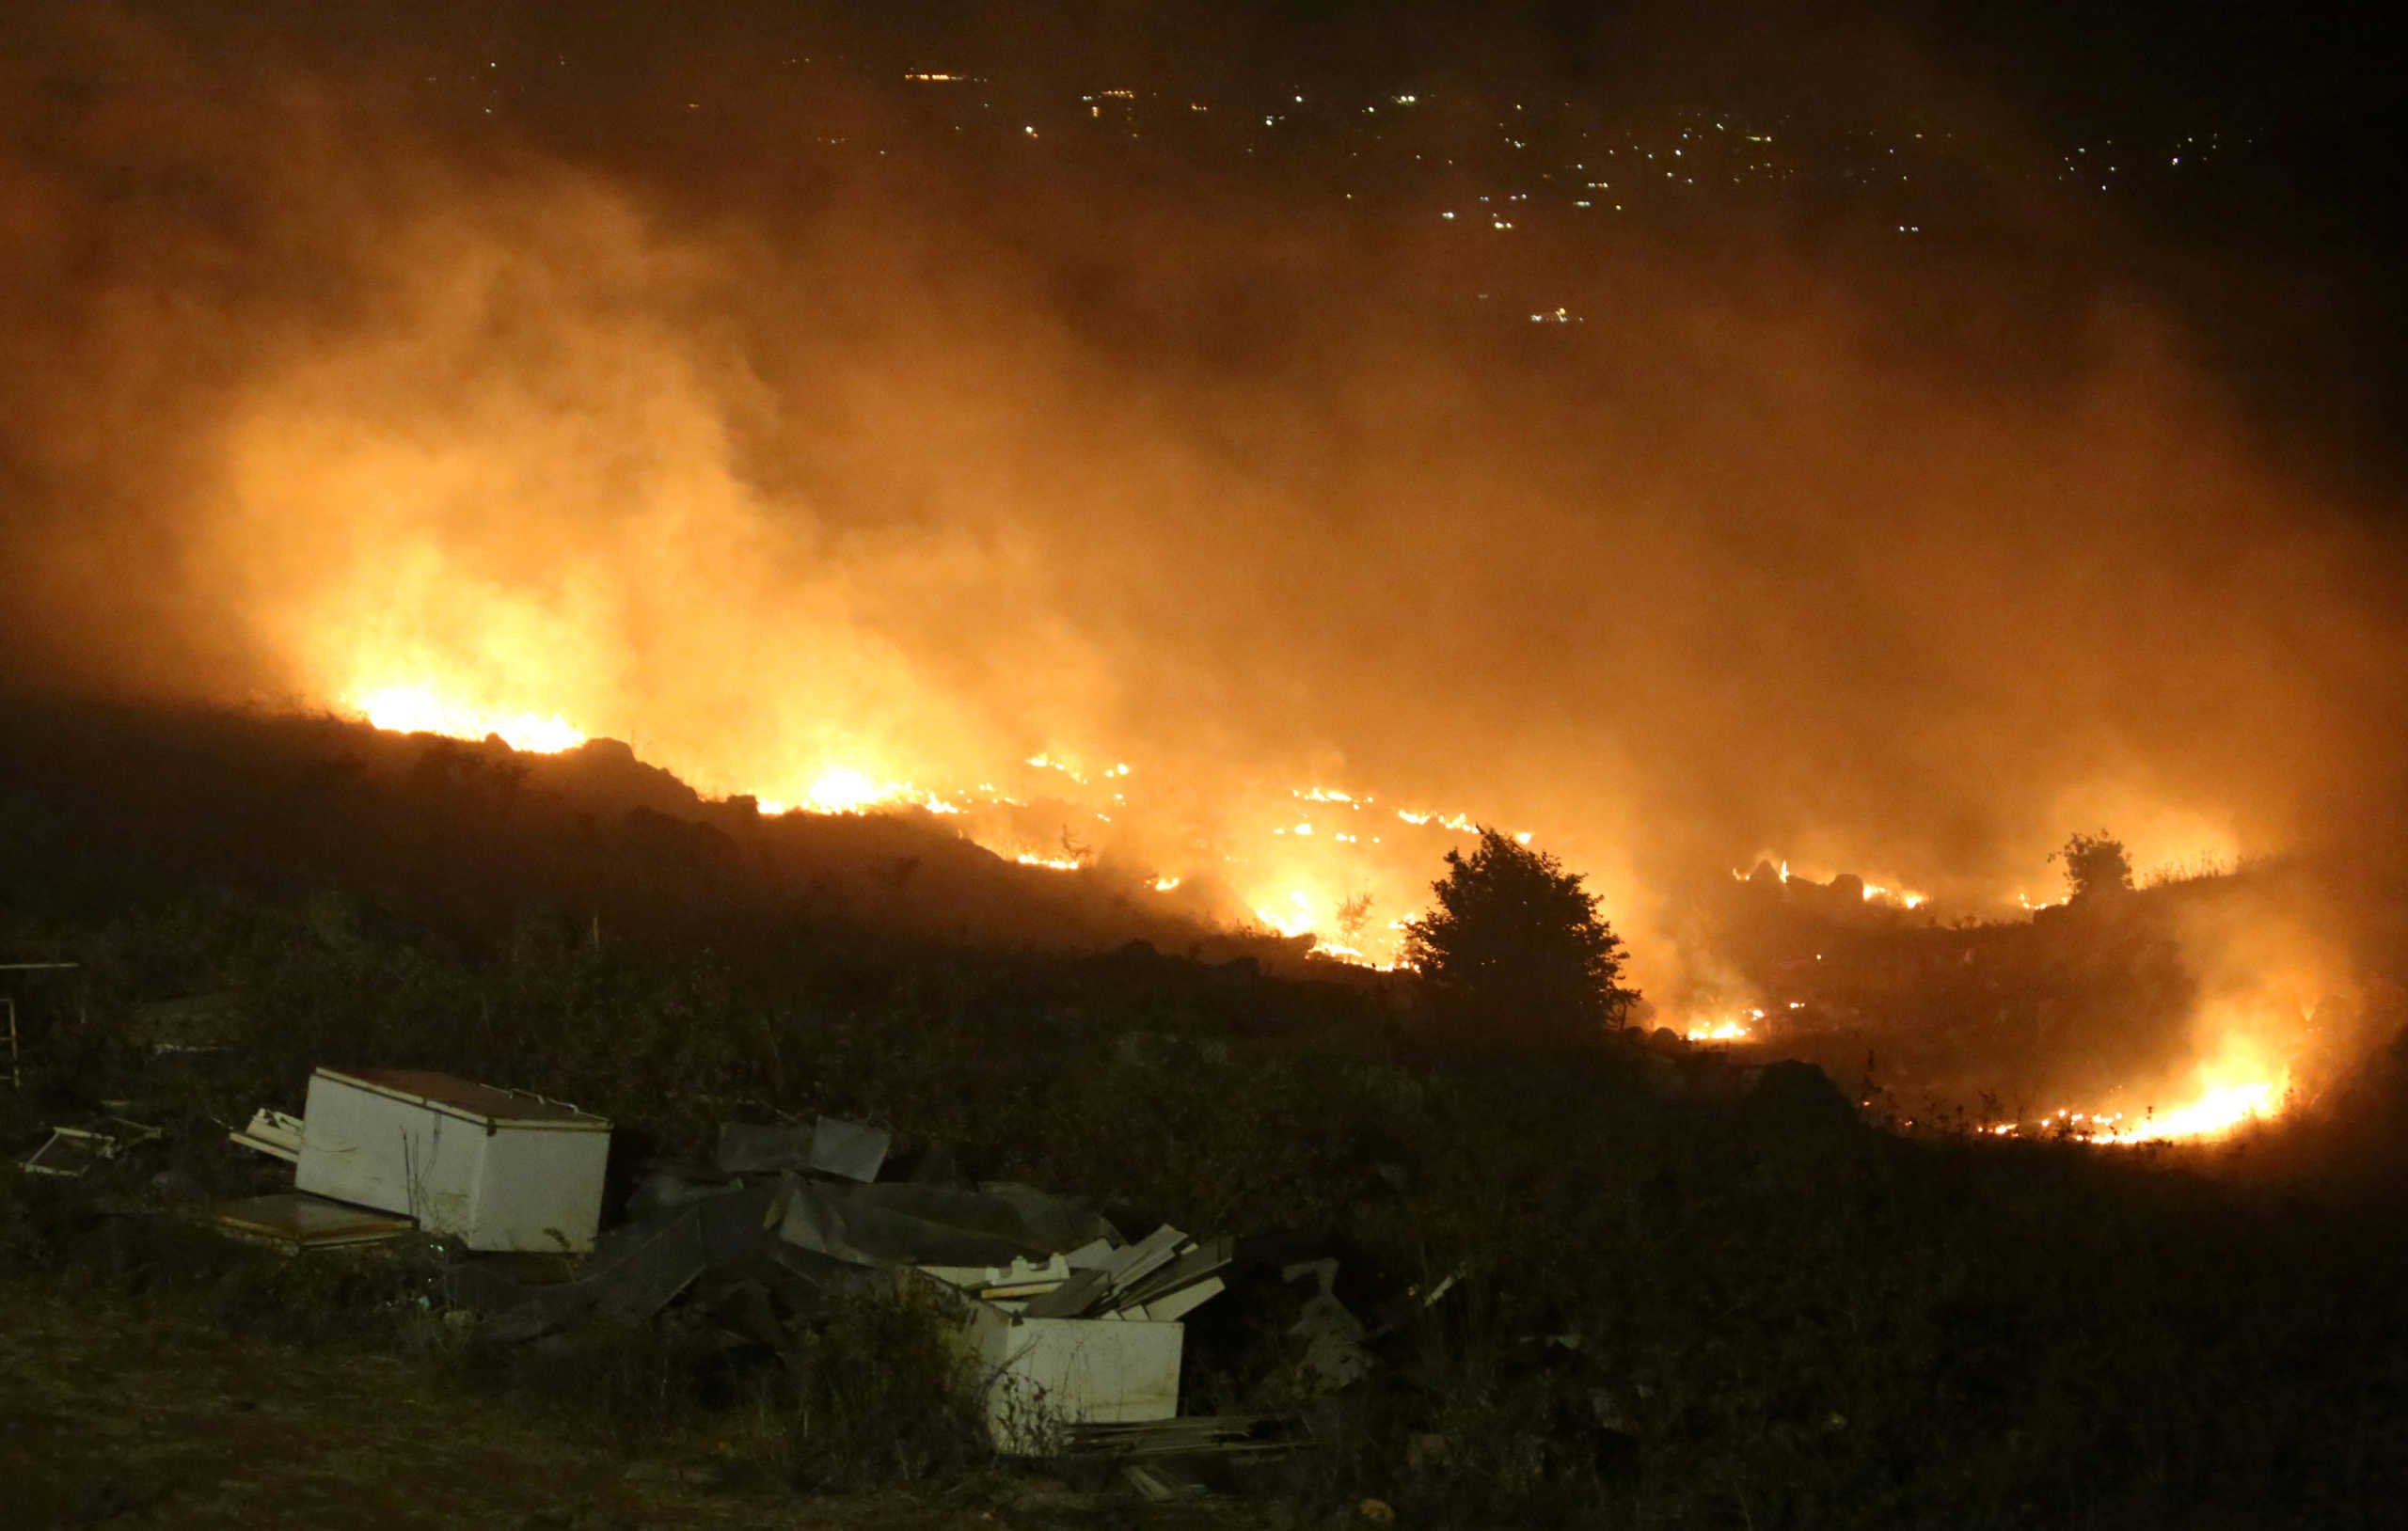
(840, 789)
(1738, 1027)
(418, 709)
(2220, 1109)
(1315, 895)
(1051, 863)
(1319, 907)
(1903, 898)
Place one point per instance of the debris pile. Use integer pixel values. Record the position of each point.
(1071, 1336)
(1060, 1321)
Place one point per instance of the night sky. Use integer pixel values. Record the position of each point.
(2078, 61)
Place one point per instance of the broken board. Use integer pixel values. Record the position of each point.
(293, 1220)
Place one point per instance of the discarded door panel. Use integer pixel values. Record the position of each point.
(293, 1220)
(498, 1169)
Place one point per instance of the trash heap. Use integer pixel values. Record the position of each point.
(1071, 1337)
(1067, 1326)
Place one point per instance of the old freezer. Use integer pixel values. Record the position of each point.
(501, 1169)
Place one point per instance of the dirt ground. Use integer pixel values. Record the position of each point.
(110, 1417)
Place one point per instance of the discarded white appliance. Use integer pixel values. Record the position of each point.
(501, 1169)
(1039, 1377)
(1089, 1337)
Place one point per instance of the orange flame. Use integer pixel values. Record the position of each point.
(418, 709)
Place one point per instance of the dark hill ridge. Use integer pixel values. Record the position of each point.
(103, 804)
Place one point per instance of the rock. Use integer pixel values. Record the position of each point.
(1798, 1097)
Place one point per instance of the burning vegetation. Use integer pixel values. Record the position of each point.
(1172, 537)
(681, 608)
(1208, 553)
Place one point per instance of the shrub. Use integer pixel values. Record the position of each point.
(1516, 948)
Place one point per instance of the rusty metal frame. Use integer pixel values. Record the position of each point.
(16, 1057)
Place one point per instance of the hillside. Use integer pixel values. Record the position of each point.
(99, 805)
(1598, 1285)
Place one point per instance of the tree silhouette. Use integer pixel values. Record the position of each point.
(2095, 864)
(1515, 947)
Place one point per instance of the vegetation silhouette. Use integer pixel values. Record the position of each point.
(2095, 864)
(1515, 947)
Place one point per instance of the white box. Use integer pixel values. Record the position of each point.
(1035, 1376)
(503, 1170)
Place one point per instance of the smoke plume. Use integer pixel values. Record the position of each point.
(773, 456)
